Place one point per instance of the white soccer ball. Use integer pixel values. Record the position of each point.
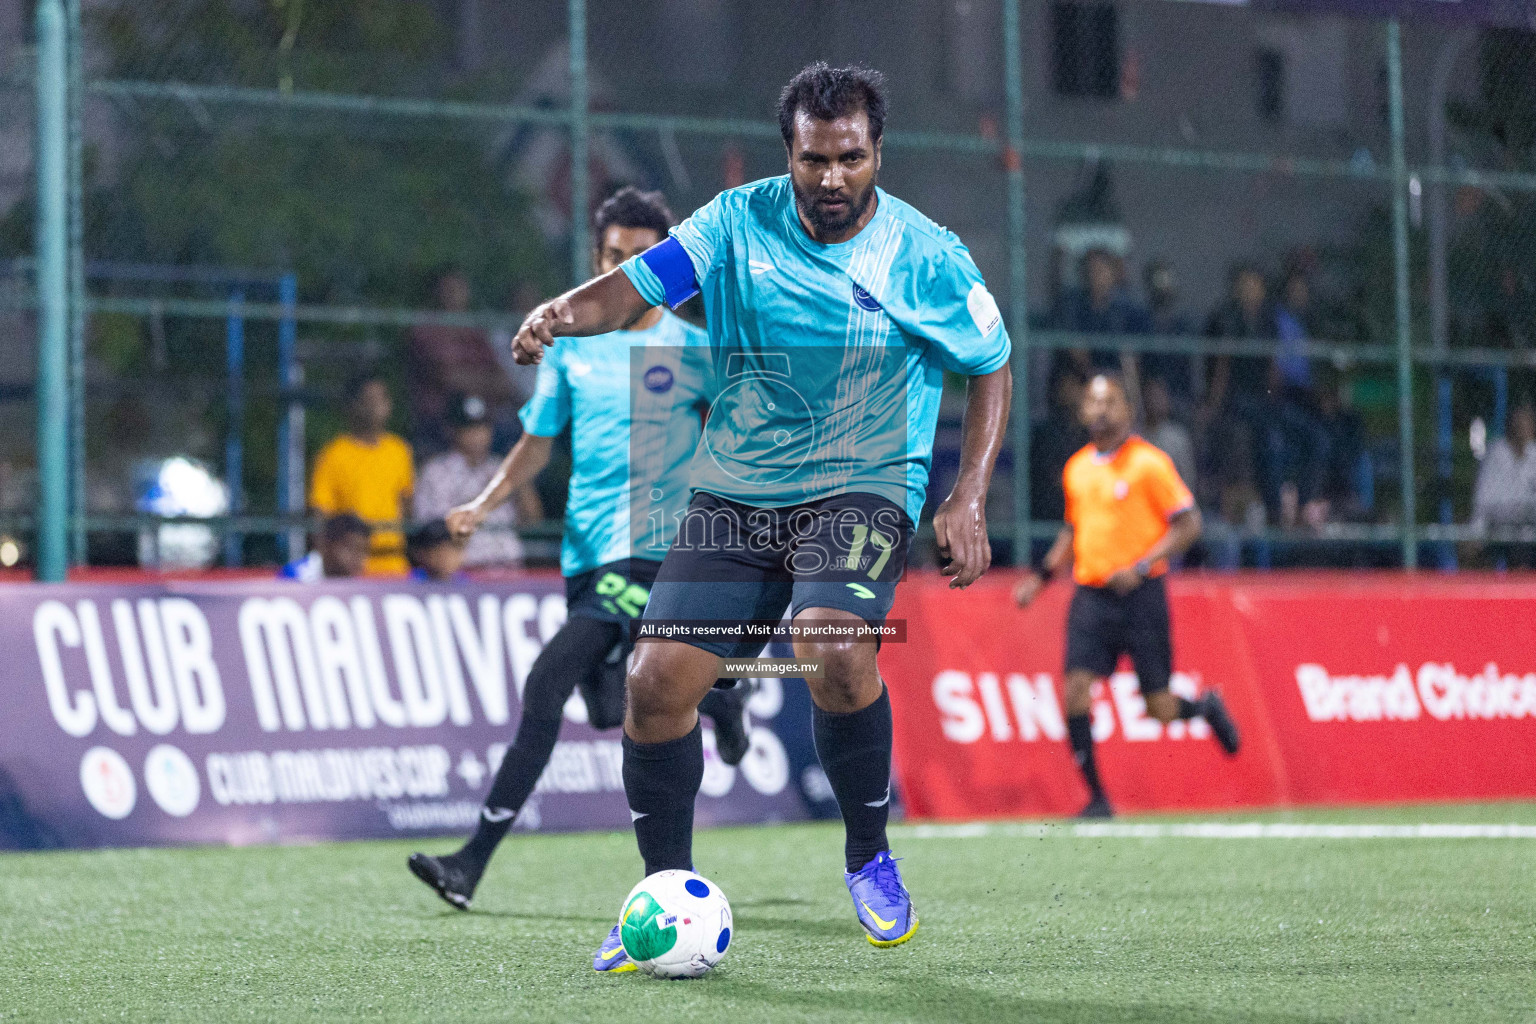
(675, 924)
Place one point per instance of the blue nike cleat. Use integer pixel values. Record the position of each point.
(883, 904)
(611, 958)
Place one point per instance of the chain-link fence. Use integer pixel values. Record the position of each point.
(1305, 237)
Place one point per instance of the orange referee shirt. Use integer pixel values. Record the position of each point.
(1119, 504)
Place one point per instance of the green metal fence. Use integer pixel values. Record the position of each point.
(1014, 154)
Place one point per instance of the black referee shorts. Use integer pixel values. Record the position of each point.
(1102, 625)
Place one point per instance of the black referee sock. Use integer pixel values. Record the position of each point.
(520, 769)
(855, 752)
(1080, 732)
(661, 781)
(1191, 708)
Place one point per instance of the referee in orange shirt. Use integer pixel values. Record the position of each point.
(1127, 513)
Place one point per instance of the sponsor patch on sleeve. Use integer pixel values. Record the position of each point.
(983, 309)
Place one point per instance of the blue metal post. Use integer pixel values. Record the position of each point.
(234, 436)
(1500, 399)
(52, 293)
(290, 426)
(1445, 554)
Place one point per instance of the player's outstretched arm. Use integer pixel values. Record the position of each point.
(605, 303)
(960, 524)
(522, 464)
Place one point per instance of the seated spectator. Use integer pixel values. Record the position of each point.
(444, 361)
(367, 472)
(340, 551)
(1053, 442)
(1166, 319)
(460, 474)
(1101, 306)
(1348, 481)
(435, 555)
(1166, 433)
(1505, 498)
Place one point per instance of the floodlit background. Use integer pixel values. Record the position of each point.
(267, 197)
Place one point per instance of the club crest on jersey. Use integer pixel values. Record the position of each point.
(658, 379)
(865, 300)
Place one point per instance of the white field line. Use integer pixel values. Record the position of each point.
(1216, 830)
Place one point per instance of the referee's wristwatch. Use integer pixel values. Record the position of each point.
(1144, 568)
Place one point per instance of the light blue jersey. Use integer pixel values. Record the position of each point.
(634, 401)
(830, 357)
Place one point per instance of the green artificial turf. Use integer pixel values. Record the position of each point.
(1015, 927)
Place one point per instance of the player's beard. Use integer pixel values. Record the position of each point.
(832, 224)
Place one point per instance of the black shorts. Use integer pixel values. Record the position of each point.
(741, 563)
(615, 592)
(1102, 625)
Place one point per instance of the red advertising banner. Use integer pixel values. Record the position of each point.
(1346, 688)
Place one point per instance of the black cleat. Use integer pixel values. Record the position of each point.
(447, 877)
(732, 740)
(1216, 716)
(1098, 807)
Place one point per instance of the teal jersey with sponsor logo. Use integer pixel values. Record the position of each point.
(829, 358)
(634, 402)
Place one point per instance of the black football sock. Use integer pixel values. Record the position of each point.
(661, 781)
(1190, 709)
(520, 769)
(574, 652)
(1080, 732)
(855, 752)
(717, 704)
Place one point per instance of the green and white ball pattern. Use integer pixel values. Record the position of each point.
(675, 924)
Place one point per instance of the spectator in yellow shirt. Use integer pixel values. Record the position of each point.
(367, 472)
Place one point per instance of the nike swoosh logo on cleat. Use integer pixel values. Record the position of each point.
(500, 814)
(882, 922)
(611, 953)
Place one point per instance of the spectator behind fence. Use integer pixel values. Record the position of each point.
(1166, 433)
(1505, 498)
(1100, 305)
(461, 473)
(341, 548)
(367, 472)
(1053, 442)
(1234, 402)
(443, 361)
(1294, 459)
(436, 556)
(1165, 318)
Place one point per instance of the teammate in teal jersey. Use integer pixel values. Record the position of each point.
(834, 310)
(634, 401)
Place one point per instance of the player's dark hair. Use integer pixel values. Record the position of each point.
(358, 381)
(827, 93)
(343, 525)
(631, 208)
(427, 536)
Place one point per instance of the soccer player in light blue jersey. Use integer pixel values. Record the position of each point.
(834, 311)
(634, 401)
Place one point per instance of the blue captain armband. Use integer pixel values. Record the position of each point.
(667, 265)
